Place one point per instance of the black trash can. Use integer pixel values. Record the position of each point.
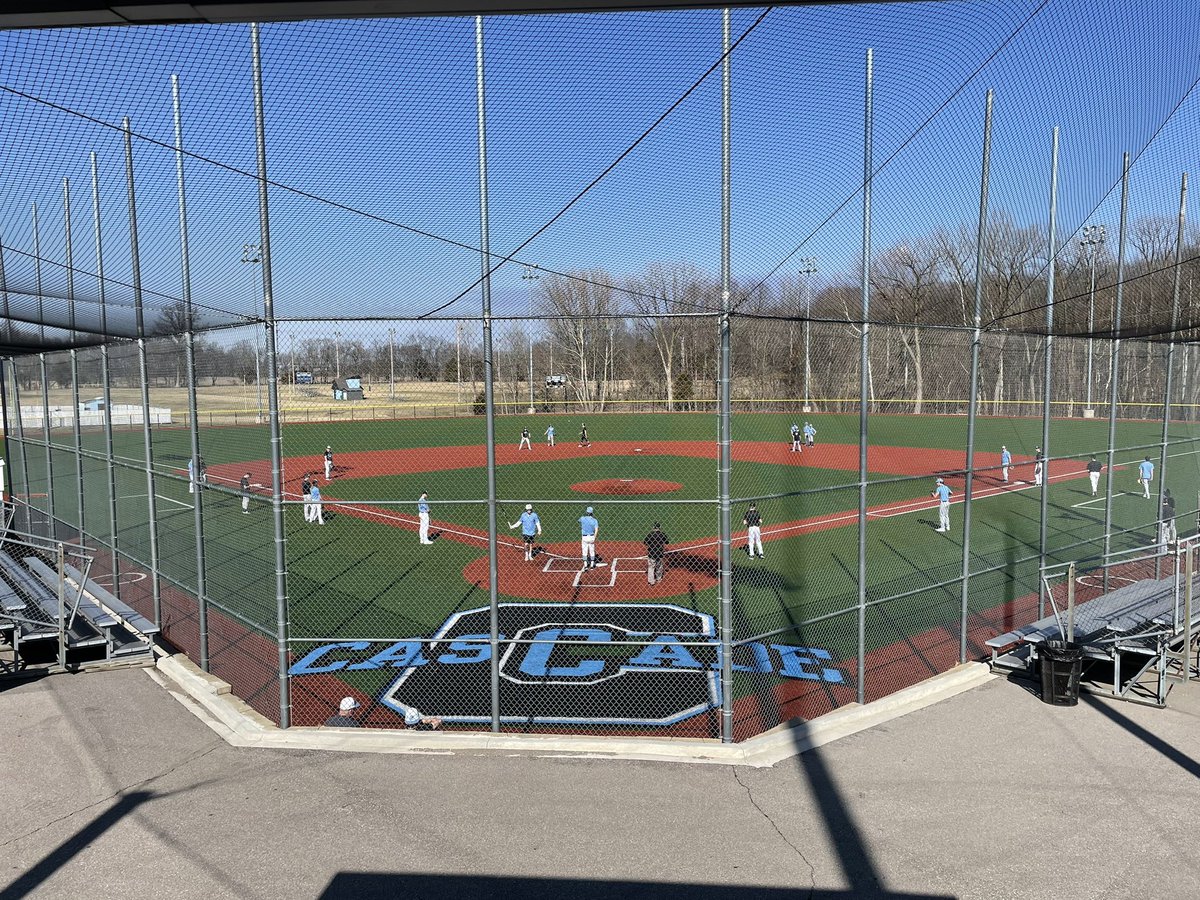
(1061, 662)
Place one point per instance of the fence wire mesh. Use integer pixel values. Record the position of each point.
(594, 340)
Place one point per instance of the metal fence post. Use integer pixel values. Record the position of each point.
(1113, 369)
(144, 375)
(106, 385)
(1048, 361)
(281, 596)
(724, 378)
(1168, 381)
(973, 401)
(196, 486)
(864, 362)
(488, 376)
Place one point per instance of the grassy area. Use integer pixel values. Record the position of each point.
(360, 579)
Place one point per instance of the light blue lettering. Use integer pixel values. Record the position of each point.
(399, 655)
(307, 666)
(537, 658)
(469, 648)
(665, 652)
(794, 660)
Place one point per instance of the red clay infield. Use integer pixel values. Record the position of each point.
(624, 487)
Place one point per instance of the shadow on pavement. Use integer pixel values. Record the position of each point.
(421, 886)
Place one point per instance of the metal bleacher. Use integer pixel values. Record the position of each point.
(55, 610)
(1137, 639)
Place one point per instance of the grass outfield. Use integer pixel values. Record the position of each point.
(359, 578)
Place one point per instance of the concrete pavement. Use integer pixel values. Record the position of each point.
(116, 789)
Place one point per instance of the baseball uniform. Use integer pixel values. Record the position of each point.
(753, 523)
(423, 518)
(588, 528)
(942, 492)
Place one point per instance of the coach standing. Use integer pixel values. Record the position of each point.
(423, 517)
(1094, 468)
(656, 551)
(753, 522)
(306, 493)
(942, 491)
(531, 527)
(588, 529)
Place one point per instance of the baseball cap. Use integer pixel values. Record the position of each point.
(412, 716)
(348, 703)
(589, 509)
(939, 481)
(528, 507)
(328, 447)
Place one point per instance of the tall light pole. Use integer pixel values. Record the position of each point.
(1091, 242)
(337, 355)
(807, 270)
(530, 274)
(392, 362)
(252, 253)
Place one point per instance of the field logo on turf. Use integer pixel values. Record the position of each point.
(567, 663)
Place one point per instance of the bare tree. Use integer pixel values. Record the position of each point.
(576, 306)
(660, 294)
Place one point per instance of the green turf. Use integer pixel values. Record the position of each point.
(355, 578)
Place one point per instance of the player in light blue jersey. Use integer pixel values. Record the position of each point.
(1145, 476)
(942, 491)
(531, 527)
(588, 529)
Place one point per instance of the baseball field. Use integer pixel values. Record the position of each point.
(375, 614)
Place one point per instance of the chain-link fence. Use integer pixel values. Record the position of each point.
(525, 375)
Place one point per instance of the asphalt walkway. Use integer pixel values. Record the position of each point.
(114, 788)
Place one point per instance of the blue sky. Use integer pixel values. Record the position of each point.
(379, 117)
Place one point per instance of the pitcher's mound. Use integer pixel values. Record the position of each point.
(626, 486)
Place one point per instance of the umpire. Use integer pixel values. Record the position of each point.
(656, 551)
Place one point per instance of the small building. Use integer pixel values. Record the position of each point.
(94, 405)
(349, 388)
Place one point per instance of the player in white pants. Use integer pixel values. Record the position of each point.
(1093, 470)
(588, 529)
(328, 463)
(753, 522)
(1039, 465)
(525, 444)
(316, 511)
(1005, 462)
(423, 518)
(942, 491)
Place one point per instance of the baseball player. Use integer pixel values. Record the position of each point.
(1005, 462)
(656, 550)
(531, 527)
(583, 438)
(753, 522)
(316, 512)
(191, 476)
(328, 463)
(810, 434)
(588, 529)
(549, 435)
(306, 493)
(942, 491)
(1039, 465)
(1093, 469)
(423, 517)
(1145, 476)
(525, 444)
(796, 445)
(246, 493)
(203, 473)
